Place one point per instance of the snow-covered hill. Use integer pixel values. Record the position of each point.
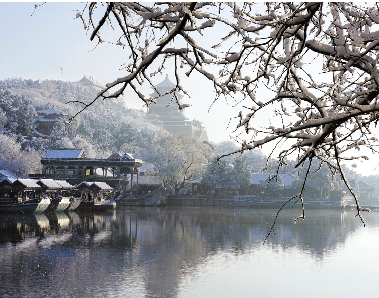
(106, 126)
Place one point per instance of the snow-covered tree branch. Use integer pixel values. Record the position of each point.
(316, 61)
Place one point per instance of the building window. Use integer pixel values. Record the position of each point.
(49, 171)
(89, 171)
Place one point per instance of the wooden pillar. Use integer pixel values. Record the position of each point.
(137, 181)
(131, 183)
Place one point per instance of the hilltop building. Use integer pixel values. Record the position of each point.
(90, 81)
(45, 120)
(166, 113)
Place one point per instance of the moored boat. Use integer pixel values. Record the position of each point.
(58, 204)
(21, 196)
(58, 192)
(104, 205)
(30, 206)
(96, 195)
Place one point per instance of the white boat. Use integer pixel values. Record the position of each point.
(29, 206)
(58, 204)
(104, 204)
(96, 195)
(21, 196)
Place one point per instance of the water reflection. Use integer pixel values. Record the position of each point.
(147, 251)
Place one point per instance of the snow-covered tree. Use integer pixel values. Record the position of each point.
(242, 173)
(178, 159)
(25, 118)
(3, 120)
(14, 159)
(219, 176)
(311, 66)
(58, 138)
(223, 175)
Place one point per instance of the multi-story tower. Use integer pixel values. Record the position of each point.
(166, 113)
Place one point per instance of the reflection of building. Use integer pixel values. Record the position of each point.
(73, 166)
(166, 113)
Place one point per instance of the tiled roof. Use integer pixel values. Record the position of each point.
(64, 153)
(259, 178)
(8, 174)
(32, 183)
(103, 185)
(50, 112)
(64, 184)
(49, 183)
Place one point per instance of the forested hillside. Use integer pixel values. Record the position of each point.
(110, 126)
(104, 128)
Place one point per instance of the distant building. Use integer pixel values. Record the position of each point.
(45, 120)
(89, 81)
(73, 166)
(166, 113)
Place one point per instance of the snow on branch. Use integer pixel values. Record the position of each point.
(320, 60)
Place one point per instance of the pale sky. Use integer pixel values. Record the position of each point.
(52, 44)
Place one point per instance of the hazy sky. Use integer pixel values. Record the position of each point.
(52, 44)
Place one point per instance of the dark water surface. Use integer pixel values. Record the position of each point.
(189, 252)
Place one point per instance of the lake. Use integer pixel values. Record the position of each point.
(189, 252)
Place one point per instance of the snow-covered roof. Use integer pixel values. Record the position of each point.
(84, 79)
(46, 120)
(115, 155)
(127, 156)
(64, 153)
(31, 183)
(259, 178)
(102, 185)
(84, 183)
(166, 83)
(7, 174)
(87, 81)
(49, 183)
(58, 184)
(50, 112)
(64, 184)
(287, 179)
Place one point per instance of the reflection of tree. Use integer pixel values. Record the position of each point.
(320, 233)
(156, 247)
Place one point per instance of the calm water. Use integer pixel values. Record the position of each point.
(189, 252)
